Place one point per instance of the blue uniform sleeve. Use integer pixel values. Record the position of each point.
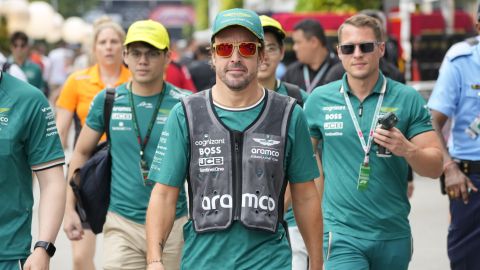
(95, 113)
(301, 162)
(170, 162)
(420, 118)
(446, 93)
(42, 141)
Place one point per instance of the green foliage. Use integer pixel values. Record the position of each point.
(69, 8)
(228, 4)
(4, 42)
(336, 5)
(201, 14)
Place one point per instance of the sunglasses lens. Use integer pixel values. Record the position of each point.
(247, 48)
(347, 49)
(224, 49)
(367, 47)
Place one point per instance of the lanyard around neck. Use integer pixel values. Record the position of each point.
(365, 145)
(306, 77)
(143, 143)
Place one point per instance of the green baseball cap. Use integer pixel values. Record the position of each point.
(240, 17)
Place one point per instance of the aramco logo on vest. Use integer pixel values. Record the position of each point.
(248, 200)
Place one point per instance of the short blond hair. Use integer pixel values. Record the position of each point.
(361, 20)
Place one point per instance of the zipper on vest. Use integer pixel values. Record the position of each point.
(237, 173)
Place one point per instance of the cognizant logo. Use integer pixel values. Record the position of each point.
(209, 141)
(248, 200)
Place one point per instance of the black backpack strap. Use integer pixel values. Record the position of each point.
(107, 109)
(6, 66)
(294, 92)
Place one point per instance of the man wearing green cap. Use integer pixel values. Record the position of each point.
(139, 112)
(274, 52)
(237, 144)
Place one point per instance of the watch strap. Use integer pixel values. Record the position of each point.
(48, 246)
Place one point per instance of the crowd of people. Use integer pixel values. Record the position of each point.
(219, 163)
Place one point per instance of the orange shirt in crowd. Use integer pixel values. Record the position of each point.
(81, 87)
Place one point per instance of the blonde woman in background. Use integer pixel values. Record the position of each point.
(74, 101)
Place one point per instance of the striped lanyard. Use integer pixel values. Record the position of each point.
(306, 77)
(365, 145)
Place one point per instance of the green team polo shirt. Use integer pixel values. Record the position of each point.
(129, 196)
(33, 73)
(282, 89)
(236, 247)
(28, 141)
(380, 212)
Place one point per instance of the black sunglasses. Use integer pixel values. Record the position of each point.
(366, 47)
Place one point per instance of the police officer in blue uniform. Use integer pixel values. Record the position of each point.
(457, 96)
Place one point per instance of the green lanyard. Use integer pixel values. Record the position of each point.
(143, 143)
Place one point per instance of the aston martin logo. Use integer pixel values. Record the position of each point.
(266, 142)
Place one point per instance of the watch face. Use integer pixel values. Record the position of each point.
(49, 247)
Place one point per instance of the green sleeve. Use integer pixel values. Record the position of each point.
(305, 95)
(170, 162)
(301, 162)
(42, 141)
(312, 108)
(95, 114)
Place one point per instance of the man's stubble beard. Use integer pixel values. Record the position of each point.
(236, 85)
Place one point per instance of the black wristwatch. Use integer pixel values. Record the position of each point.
(49, 247)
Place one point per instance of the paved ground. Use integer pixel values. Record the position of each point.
(429, 220)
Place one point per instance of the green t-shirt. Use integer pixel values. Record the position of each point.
(282, 89)
(129, 196)
(236, 247)
(33, 73)
(28, 141)
(380, 212)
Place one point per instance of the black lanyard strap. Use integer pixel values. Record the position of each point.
(143, 143)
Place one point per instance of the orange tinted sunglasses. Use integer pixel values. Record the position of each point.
(246, 49)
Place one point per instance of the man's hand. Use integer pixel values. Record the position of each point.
(457, 184)
(72, 226)
(38, 260)
(394, 140)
